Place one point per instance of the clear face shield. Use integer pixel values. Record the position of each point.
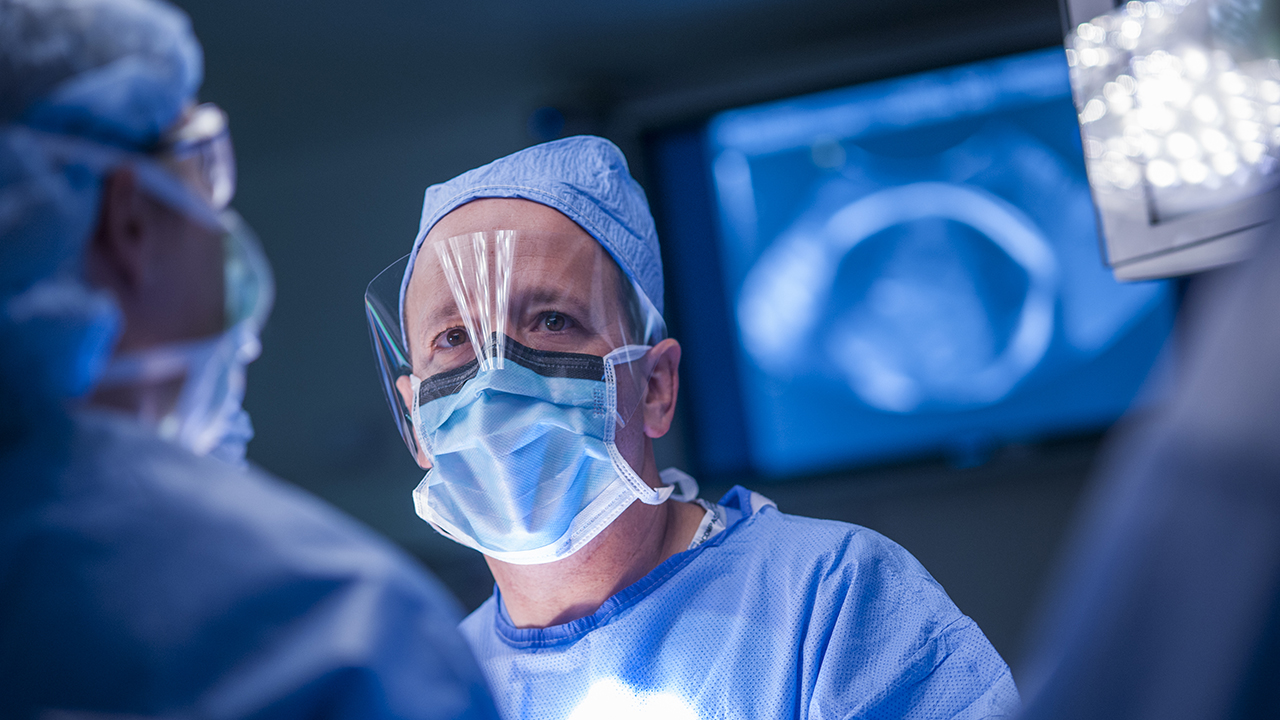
(1179, 109)
(513, 361)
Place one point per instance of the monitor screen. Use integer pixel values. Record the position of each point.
(902, 268)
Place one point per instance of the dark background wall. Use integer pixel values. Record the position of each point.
(343, 112)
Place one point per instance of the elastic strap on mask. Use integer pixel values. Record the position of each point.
(168, 189)
(157, 364)
(639, 488)
(415, 416)
(158, 182)
(686, 486)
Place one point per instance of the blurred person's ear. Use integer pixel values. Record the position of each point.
(115, 259)
(164, 269)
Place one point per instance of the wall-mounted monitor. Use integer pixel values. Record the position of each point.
(897, 269)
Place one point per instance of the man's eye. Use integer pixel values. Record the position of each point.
(453, 337)
(555, 322)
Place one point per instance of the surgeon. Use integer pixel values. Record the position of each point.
(524, 355)
(145, 570)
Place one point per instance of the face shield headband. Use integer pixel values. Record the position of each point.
(191, 169)
(520, 360)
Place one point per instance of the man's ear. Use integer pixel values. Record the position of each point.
(404, 386)
(116, 258)
(664, 385)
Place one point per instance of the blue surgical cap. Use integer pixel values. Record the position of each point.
(584, 177)
(76, 76)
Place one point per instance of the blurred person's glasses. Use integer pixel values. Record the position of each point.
(198, 151)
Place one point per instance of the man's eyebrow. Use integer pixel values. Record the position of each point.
(545, 294)
(429, 318)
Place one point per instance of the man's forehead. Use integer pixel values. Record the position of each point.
(488, 214)
(529, 282)
(528, 253)
(543, 266)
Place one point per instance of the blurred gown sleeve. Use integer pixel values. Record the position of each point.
(138, 580)
(1169, 601)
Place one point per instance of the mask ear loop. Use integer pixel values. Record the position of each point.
(686, 486)
(415, 416)
(639, 488)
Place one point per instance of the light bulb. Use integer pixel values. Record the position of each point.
(1161, 173)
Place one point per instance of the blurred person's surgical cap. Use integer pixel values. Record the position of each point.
(116, 71)
(584, 177)
(78, 79)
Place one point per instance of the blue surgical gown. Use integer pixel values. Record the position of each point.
(775, 617)
(138, 580)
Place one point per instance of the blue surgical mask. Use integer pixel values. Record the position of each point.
(524, 464)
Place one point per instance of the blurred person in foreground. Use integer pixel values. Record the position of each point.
(145, 570)
(1169, 604)
(525, 356)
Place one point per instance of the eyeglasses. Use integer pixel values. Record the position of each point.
(198, 152)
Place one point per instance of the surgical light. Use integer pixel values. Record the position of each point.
(1178, 118)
